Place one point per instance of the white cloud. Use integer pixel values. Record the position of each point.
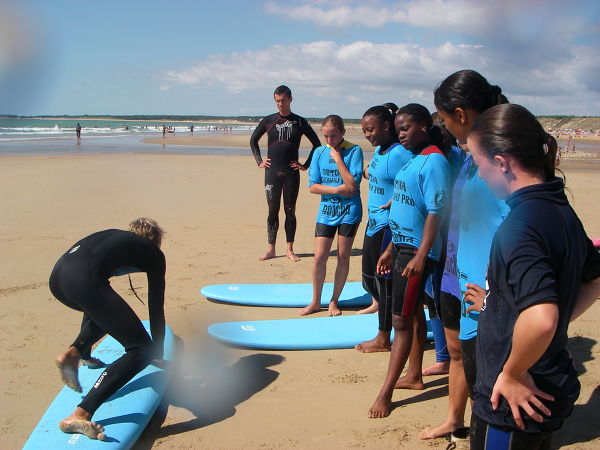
(508, 41)
(164, 87)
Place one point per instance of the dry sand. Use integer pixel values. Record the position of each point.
(214, 212)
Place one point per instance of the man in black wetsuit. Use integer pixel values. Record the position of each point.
(80, 280)
(284, 131)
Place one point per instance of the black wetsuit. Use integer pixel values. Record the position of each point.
(80, 280)
(284, 134)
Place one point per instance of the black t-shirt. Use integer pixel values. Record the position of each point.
(540, 254)
(284, 134)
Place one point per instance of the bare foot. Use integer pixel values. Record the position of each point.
(69, 375)
(93, 363)
(379, 344)
(292, 256)
(405, 383)
(334, 310)
(439, 431)
(92, 430)
(381, 408)
(437, 368)
(370, 310)
(269, 255)
(312, 308)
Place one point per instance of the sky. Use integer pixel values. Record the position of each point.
(338, 57)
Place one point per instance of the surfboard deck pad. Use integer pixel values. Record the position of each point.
(284, 295)
(124, 416)
(314, 333)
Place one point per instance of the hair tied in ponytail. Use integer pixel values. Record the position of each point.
(545, 146)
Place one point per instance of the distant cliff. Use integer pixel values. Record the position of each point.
(570, 122)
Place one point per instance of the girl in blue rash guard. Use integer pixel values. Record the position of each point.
(335, 173)
(459, 100)
(543, 273)
(417, 211)
(389, 158)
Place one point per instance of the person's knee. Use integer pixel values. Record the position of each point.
(402, 324)
(290, 212)
(454, 347)
(273, 212)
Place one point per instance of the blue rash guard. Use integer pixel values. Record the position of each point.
(335, 209)
(420, 188)
(382, 172)
(480, 215)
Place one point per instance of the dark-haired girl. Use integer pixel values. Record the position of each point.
(389, 158)
(417, 211)
(543, 272)
(335, 173)
(476, 214)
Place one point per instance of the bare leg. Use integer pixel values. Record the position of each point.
(80, 422)
(270, 253)
(319, 270)
(290, 252)
(403, 336)
(457, 392)
(371, 309)
(381, 343)
(68, 364)
(414, 378)
(341, 272)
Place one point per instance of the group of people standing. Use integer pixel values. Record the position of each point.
(474, 207)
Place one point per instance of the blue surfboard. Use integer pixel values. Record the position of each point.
(284, 295)
(124, 416)
(318, 333)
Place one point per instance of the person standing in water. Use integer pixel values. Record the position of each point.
(80, 280)
(282, 179)
(335, 174)
(78, 133)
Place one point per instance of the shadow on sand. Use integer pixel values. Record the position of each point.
(209, 390)
(584, 423)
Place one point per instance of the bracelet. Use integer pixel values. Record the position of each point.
(388, 250)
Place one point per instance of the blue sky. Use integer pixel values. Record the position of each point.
(338, 57)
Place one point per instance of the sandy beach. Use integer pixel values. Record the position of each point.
(214, 212)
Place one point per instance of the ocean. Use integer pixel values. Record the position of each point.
(57, 136)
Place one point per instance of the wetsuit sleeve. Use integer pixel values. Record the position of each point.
(314, 171)
(156, 269)
(313, 138)
(259, 131)
(435, 181)
(356, 164)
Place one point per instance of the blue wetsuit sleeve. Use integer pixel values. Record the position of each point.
(356, 164)
(314, 171)
(435, 177)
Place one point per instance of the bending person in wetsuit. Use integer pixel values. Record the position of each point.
(284, 131)
(80, 280)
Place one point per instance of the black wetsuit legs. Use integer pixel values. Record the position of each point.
(278, 183)
(105, 313)
(379, 287)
